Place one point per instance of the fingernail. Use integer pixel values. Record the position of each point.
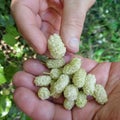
(74, 44)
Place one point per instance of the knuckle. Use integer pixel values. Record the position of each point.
(13, 4)
(74, 24)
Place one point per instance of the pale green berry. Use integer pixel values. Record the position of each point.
(100, 94)
(43, 80)
(52, 82)
(89, 86)
(52, 90)
(55, 73)
(81, 100)
(43, 93)
(55, 63)
(73, 66)
(55, 95)
(61, 83)
(71, 92)
(56, 46)
(68, 104)
(79, 78)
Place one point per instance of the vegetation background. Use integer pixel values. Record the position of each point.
(100, 41)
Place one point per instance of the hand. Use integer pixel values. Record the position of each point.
(107, 74)
(37, 19)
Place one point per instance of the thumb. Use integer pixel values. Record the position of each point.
(74, 12)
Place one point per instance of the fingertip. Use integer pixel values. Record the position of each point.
(35, 39)
(16, 75)
(40, 45)
(40, 50)
(73, 45)
(25, 99)
(29, 103)
(18, 78)
(71, 37)
(24, 79)
(72, 24)
(34, 67)
(17, 92)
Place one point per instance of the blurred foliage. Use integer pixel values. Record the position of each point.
(101, 34)
(100, 41)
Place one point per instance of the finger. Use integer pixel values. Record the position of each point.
(101, 72)
(56, 5)
(86, 113)
(38, 68)
(52, 17)
(114, 77)
(29, 103)
(87, 64)
(34, 67)
(26, 14)
(48, 29)
(37, 109)
(59, 100)
(74, 13)
(24, 79)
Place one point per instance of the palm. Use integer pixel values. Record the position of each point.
(107, 74)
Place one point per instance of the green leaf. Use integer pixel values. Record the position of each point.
(18, 51)
(11, 35)
(5, 104)
(2, 104)
(2, 57)
(113, 24)
(99, 52)
(25, 117)
(10, 70)
(14, 113)
(1, 69)
(2, 4)
(2, 79)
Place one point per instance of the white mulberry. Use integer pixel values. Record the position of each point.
(79, 78)
(43, 80)
(43, 93)
(61, 83)
(56, 46)
(81, 100)
(55, 63)
(68, 104)
(72, 67)
(55, 73)
(52, 90)
(100, 94)
(71, 92)
(89, 85)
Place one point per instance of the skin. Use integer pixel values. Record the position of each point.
(106, 74)
(38, 19)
